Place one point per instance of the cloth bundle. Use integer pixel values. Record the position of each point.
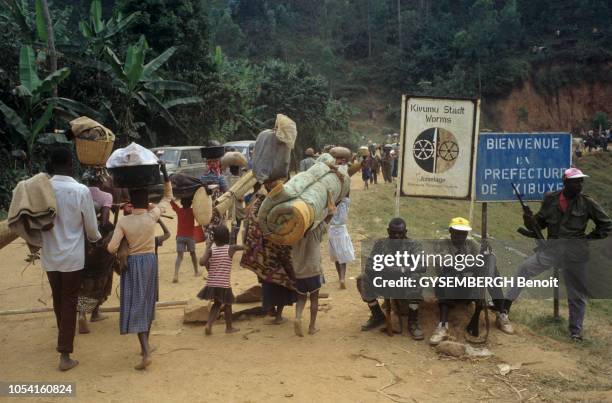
(341, 152)
(272, 152)
(286, 130)
(132, 155)
(88, 129)
(271, 157)
(233, 158)
(32, 208)
(184, 186)
(290, 209)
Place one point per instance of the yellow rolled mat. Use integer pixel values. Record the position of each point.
(293, 219)
(202, 207)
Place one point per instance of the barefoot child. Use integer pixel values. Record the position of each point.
(218, 261)
(306, 257)
(184, 235)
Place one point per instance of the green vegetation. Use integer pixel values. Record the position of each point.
(227, 67)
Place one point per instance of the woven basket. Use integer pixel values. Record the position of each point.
(93, 152)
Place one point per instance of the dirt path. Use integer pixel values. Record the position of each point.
(269, 363)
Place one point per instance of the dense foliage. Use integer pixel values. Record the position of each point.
(224, 68)
(456, 47)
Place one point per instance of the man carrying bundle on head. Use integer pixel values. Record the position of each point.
(215, 183)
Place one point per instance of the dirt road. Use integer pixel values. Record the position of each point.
(269, 363)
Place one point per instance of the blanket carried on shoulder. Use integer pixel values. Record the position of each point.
(32, 209)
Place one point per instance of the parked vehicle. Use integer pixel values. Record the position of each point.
(186, 160)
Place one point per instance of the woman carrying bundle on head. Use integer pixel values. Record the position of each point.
(139, 279)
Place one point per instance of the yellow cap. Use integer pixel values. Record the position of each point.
(460, 224)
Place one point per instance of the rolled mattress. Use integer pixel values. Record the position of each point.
(290, 209)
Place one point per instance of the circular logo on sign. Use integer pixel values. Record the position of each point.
(435, 150)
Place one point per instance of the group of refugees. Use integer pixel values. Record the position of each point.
(378, 158)
(594, 140)
(80, 276)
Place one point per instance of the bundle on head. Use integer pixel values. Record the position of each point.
(341, 152)
(233, 158)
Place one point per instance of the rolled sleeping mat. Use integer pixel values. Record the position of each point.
(291, 208)
(289, 221)
(202, 207)
(237, 191)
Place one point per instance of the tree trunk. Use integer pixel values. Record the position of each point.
(369, 31)
(399, 24)
(50, 40)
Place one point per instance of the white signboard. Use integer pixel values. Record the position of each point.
(437, 143)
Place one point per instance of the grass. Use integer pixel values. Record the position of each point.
(429, 218)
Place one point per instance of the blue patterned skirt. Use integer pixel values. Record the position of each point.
(138, 294)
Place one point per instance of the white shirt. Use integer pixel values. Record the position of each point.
(64, 245)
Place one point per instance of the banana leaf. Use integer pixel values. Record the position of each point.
(27, 68)
(14, 121)
(151, 67)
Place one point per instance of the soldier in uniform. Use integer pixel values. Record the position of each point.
(565, 214)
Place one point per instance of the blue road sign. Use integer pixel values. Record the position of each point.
(534, 162)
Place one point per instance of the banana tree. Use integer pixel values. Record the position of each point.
(99, 32)
(139, 84)
(35, 111)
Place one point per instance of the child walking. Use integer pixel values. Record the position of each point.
(306, 258)
(218, 261)
(184, 236)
